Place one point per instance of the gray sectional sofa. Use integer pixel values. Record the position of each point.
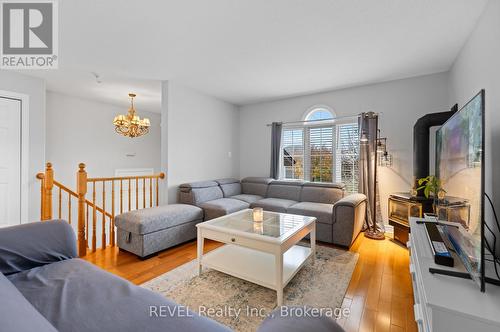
(340, 218)
(48, 289)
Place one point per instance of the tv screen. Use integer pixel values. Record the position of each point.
(459, 166)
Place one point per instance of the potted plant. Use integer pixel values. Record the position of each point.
(432, 186)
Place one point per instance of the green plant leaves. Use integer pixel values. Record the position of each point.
(431, 185)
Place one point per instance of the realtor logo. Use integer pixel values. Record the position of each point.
(29, 34)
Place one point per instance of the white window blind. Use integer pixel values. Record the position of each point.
(348, 156)
(320, 161)
(321, 153)
(293, 153)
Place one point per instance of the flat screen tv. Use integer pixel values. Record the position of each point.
(460, 167)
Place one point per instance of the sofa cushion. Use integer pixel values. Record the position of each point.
(196, 193)
(287, 319)
(328, 193)
(150, 220)
(17, 314)
(323, 212)
(227, 181)
(274, 204)
(221, 207)
(199, 184)
(26, 246)
(285, 190)
(248, 198)
(255, 185)
(230, 187)
(75, 295)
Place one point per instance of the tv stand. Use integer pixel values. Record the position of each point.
(463, 275)
(443, 302)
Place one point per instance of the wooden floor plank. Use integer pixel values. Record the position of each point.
(372, 298)
(398, 311)
(383, 322)
(346, 304)
(353, 322)
(368, 320)
(386, 288)
(379, 296)
(410, 318)
(395, 328)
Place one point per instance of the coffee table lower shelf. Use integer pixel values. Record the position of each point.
(256, 266)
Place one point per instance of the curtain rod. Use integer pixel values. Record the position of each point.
(325, 120)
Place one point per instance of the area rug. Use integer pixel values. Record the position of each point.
(242, 305)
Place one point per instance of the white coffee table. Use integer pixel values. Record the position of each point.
(265, 254)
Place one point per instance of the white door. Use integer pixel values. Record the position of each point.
(10, 161)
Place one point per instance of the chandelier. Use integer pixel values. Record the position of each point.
(130, 125)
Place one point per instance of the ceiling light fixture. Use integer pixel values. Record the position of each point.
(97, 77)
(130, 125)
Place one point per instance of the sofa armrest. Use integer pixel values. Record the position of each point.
(196, 193)
(17, 313)
(348, 219)
(352, 200)
(26, 246)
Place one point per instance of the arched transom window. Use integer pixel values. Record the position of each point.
(319, 113)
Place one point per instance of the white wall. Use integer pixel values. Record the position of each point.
(164, 140)
(478, 67)
(80, 130)
(400, 103)
(202, 138)
(34, 88)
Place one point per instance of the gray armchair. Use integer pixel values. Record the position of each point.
(47, 290)
(287, 319)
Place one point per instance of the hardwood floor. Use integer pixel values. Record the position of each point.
(379, 296)
(380, 293)
(130, 267)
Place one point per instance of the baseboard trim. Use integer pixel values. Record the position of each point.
(389, 229)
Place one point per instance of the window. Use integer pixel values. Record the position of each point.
(319, 113)
(321, 151)
(293, 153)
(320, 167)
(348, 156)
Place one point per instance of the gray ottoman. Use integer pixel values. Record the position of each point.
(147, 231)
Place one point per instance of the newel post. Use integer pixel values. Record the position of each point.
(81, 184)
(48, 184)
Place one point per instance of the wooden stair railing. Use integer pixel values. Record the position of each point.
(107, 218)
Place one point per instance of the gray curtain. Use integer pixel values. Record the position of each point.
(368, 129)
(275, 149)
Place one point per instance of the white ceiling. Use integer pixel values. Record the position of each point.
(245, 51)
(112, 89)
